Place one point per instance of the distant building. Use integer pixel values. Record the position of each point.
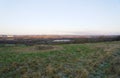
(0, 37)
(3, 37)
(10, 37)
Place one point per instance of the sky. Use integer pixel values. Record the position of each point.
(60, 17)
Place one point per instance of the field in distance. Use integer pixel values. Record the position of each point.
(89, 60)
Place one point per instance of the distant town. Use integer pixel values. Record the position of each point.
(55, 39)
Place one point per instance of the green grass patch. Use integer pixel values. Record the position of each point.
(62, 61)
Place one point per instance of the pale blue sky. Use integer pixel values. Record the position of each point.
(78, 17)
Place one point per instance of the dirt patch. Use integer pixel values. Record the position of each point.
(36, 48)
(44, 47)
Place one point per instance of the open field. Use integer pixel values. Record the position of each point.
(89, 60)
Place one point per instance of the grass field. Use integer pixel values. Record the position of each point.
(90, 60)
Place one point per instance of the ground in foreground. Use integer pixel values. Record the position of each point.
(90, 60)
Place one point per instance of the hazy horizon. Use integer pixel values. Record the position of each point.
(60, 17)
